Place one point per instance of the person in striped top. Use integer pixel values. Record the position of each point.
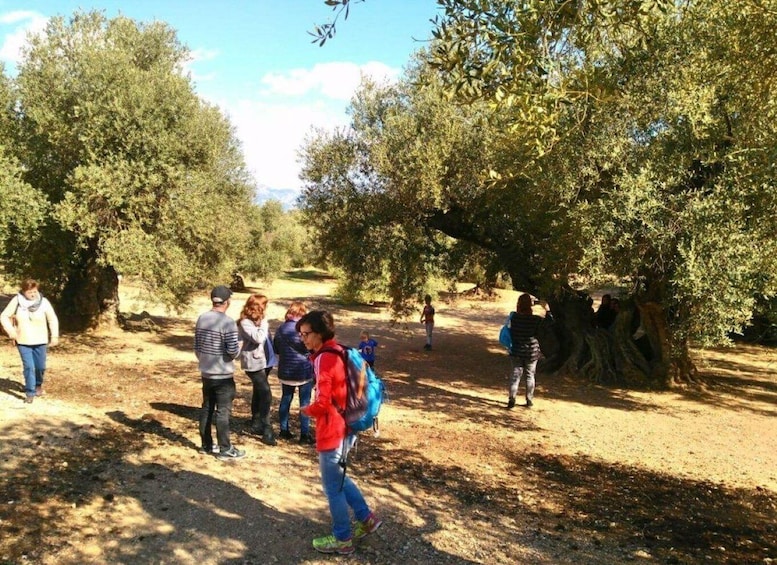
(216, 346)
(525, 352)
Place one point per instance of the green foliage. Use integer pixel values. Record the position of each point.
(277, 241)
(137, 173)
(563, 139)
(323, 32)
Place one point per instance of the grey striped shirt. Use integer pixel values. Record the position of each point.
(215, 344)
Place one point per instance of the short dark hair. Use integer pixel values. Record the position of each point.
(320, 322)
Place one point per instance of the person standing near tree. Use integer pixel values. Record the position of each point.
(525, 351)
(217, 346)
(254, 332)
(30, 322)
(317, 329)
(427, 319)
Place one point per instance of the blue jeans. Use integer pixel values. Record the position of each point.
(217, 396)
(340, 499)
(522, 367)
(33, 366)
(287, 395)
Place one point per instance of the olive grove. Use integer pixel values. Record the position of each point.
(570, 141)
(110, 164)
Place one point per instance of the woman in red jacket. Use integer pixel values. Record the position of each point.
(317, 330)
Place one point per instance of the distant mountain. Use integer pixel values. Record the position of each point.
(286, 196)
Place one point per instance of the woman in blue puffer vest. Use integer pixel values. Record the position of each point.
(294, 372)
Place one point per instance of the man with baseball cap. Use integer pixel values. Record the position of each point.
(216, 346)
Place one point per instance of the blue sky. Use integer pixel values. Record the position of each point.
(255, 60)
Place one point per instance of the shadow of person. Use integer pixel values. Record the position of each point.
(189, 412)
(149, 425)
(11, 388)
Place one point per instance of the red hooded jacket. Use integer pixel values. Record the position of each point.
(331, 389)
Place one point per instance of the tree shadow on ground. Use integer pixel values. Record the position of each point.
(149, 512)
(308, 275)
(591, 512)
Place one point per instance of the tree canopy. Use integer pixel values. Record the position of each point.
(121, 168)
(568, 140)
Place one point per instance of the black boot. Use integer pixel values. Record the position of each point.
(256, 426)
(268, 437)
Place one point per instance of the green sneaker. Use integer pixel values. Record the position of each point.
(363, 529)
(330, 544)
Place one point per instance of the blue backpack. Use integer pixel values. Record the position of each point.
(365, 395)
(505, 337)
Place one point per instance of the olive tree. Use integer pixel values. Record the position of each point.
(137, 175)
(584, 139)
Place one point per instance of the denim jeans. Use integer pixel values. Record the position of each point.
(33, 366)
(522, 367)
(429, 330)
(287, 395)
(217, 396)
(261, 398)
(340, 499)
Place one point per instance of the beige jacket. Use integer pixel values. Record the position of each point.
(30, 328)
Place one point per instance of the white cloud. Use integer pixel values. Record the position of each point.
(336, 80)
(273, 125)
(196, 56)
(273, 133)
(32, 22)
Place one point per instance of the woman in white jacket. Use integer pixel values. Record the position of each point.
(30, 321)
(254, 332)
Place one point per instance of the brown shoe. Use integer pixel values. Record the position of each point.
(28, 399)
(39, 391)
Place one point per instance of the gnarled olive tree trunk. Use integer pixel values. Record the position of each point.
(90, 297)
(635, 351)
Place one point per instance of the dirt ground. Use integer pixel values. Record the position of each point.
(104, 468)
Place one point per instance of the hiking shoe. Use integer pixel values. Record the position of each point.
(208, 450)
(286, 434)
(28, 399)
(529, 403)
(307, 439)
(269, 439)
(39, 391)
(330, 544)
(363, 529)
(231, 453)
(511, 403)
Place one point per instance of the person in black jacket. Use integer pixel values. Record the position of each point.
(294, 372)
(525, 351)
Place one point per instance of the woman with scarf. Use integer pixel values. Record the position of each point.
(30, 321)
(257, 359)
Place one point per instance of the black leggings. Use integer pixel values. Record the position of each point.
(261, 398)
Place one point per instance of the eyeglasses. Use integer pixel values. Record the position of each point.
(305, 335)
